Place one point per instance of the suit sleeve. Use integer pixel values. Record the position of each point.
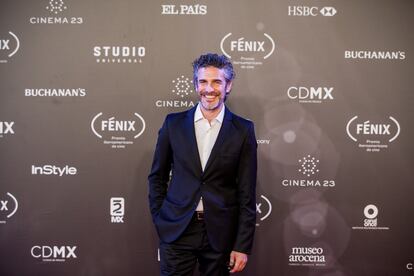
(246, 181)
(160, 170)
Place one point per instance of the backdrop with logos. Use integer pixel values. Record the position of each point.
(86, 85)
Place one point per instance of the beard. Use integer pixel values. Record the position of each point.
(218, 101)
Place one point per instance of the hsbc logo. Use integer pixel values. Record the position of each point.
(53, 253)
(310, 94)
(311, 11)
(6, 128)
(9, 45)
(8, 207)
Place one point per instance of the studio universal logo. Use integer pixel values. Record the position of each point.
(53, 170)
(55, 92)
(308, 168)
(53, 9)
(182, 87)
(371, 219)
(119, 54)
(9, 45)
(195, 9)
(263, 209)
(373, 137)
(6, 128)
(117, 210)
(307, 256)
(310, 94)
(118, 133)
(8, 207)
(311, 11)
(247, 53)
(53, 253)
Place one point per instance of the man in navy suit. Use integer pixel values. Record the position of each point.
(205, 211)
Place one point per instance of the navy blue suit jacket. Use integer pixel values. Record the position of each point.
(227, 185)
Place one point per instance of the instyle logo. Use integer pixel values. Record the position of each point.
(310, 94)
(307, 256)
(182, 87)
(247, 53)
(55, 92)
(371, 221)
(117, 210)
(119, 54)
(195, 9)
(8, 207)
(377, 55)
(53, 253)
(6, 128)
(54, 8)
(308, 169)
(53, 170)
(373, 136)
(118, 132)
(9, 45)
(311, 11)
(263, 209)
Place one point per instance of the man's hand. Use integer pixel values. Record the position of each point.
(238, 261)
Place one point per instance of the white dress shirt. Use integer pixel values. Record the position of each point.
(206, 134)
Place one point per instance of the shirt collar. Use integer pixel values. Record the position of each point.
(198, 115)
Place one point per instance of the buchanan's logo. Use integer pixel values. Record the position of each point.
(55, 92)
(373, 136)
(182, 87)
(308, 169)
(9, 45)
(8, 207)
(381, 55)
(118, 133)
(245, 52)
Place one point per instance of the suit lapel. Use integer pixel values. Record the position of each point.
(190, 137)
(223, 133)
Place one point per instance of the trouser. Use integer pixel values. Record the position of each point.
(180, 257)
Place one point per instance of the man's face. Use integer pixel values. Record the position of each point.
(212, 87)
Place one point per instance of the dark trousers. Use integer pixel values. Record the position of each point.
(180, 257)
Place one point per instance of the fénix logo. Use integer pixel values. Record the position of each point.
(55, 92)
(53, 253)
(117, 210)
(373, 136)
(6, 128)
(308, 167)
(54, 8)
(8, 207)
(9, 45)
(263, 209)
(119, 54)
(182, 87)
(310, 94)
(196, 9)
(307, 256)
(247, 53)
(311, 11)
(371, 221)
(53, 170)
(118, 133)
(379, 55)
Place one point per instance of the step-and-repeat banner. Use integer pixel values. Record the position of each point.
(86, 85)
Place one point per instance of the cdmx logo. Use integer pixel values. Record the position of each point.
(53, 253)
(117, 209)
(8, 207)
(114, 125)
(7, 48)
(240, 45)
(263, 209)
